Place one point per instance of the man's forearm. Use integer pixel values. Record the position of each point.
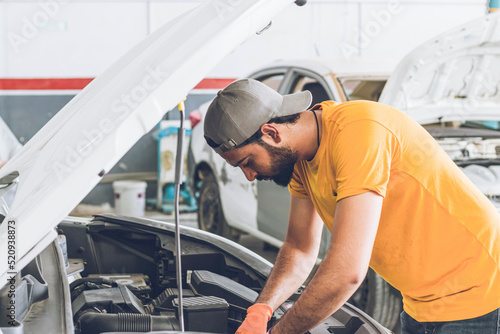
(290, 270)
(344, 267)
(324, 295)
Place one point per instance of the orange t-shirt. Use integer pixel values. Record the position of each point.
(438, 240)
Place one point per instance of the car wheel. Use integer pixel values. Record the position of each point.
(378, 299)
(210, 215)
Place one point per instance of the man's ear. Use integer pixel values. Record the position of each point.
(271, 133)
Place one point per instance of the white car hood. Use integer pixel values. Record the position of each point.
(71, 153)
(455, 76)
(487, 179)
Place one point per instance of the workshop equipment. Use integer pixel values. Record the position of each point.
(130, 197)
(167, 137)
(494, 5)
(178, 176)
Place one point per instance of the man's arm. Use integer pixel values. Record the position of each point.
(297, 256)
(344, 267)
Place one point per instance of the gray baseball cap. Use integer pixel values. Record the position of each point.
(240, 109)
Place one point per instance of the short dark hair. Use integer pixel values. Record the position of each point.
(289, 119)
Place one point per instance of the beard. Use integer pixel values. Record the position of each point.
(282, 164)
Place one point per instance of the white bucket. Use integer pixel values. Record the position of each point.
(130, 197)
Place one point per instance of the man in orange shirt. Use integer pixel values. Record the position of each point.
(391, 197)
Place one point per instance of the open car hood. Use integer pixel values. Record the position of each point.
(71, 153)
(453, 77)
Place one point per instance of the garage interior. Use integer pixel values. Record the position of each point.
(338, 50)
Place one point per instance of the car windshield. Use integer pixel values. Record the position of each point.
(489, 125)
(362, 88)
(471, 128)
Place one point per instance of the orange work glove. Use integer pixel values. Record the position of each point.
(256, 320)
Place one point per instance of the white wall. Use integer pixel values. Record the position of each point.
(52, 38)
(68, 40)
(351, 30)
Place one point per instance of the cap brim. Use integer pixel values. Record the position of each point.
(295, 103)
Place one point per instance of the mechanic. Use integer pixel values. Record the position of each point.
(390, 196)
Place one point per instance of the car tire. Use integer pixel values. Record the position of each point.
(378, 299)
(210, 214)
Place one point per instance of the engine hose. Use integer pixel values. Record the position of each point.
(96, 323)
(80, 285)
(96, 280)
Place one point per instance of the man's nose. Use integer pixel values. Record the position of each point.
(250, 174)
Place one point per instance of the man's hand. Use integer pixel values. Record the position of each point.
(256, 320)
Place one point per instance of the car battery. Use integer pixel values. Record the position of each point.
(205, 314)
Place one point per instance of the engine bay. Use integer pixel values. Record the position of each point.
(133, 288)
(211, 302)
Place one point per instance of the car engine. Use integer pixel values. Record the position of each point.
(101, 304)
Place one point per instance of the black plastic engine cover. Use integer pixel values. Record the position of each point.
(208, 283)
(113, 300)
(207, 314)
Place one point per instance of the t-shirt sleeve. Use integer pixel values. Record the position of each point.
(296, 187)
(363, 153)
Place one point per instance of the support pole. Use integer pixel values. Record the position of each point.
(178, 182)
